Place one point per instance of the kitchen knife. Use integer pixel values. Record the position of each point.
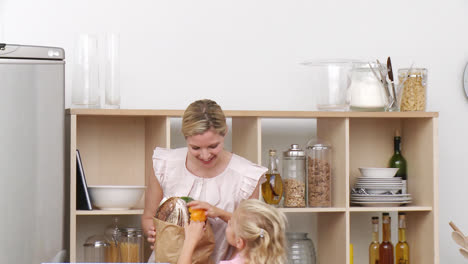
(390, 76)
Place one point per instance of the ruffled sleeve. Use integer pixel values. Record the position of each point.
(252, 175)
(160, 157)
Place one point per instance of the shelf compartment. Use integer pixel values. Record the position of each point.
(371, 145)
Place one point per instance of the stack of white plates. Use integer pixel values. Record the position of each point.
(380, 200)
(379, 185)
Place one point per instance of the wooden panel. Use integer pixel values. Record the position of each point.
(421, 237)
(71, 137)
(112, 149)
(157, 134)
(418, 149)
(246, 138)
(332, 238)
(335, 132)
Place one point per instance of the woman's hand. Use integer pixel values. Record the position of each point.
(151, 236)
(210, 210)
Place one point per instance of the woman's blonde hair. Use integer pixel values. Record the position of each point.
(201, 116)
(262, 227)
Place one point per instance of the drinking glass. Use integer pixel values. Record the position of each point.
(85, 80)
(112, 70)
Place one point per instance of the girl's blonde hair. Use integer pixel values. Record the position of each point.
(262, 227)
(201, 116)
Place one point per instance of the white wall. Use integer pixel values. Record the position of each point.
(246, 55)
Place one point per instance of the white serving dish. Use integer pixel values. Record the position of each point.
(115, 197)
(378, 172)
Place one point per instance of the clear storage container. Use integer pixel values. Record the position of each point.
(131, 245)
(367, 92)
(413, 83)
(330, 80)
(112, 236)
(294, 177)
(301, 249)
(96, 249)
(319, 173)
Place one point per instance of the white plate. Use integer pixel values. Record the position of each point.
(383, 195)
(380, 204)
(379, 179)
(381, 200)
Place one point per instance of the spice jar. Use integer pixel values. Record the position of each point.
(413, 89)
(367, 92)
(131, 245)
(319, 156)
(301, 249)
(96, 249)
(294, 177)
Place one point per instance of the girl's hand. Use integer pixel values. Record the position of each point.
(210, 210)
(193, 233)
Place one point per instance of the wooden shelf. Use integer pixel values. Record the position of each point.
(117, 145)
(391, 209)
(110, 212)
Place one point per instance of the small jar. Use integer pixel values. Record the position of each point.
(301, 249)
(294, 177)
(367, 92)
(131, 245)
(413, 89)
(319, 173)
(96, 249)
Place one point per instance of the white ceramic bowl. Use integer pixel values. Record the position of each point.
(115, 197)
(378, 172)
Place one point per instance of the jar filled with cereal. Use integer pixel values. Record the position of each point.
(413, 83)
(294, 164)
(319, 173)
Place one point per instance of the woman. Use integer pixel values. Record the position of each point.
(217, 179)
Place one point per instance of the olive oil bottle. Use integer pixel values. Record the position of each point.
(272, 188)
(374, 245)
(402, 248)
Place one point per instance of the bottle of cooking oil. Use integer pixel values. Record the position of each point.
(272, 188)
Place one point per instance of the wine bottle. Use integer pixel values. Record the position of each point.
(402, 248)
(398, 161)
(386, 247)
(374, 245)
(272, 188)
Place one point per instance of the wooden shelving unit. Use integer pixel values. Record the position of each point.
(117, 146)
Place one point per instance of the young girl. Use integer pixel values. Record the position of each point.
(256, 230)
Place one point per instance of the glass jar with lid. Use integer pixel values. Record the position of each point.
(112, 236)
(294, 177)
(366, 91)
(412, 85)
(131, 245)
(96, 249)
(301, 249)
(319, 173)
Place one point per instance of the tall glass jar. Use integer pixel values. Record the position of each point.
(112, 236)
(294, 177)
(131, 245)
(412, 83)
(319, 173)
(301, 249)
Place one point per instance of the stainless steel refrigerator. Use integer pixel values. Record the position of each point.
(32, 151)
